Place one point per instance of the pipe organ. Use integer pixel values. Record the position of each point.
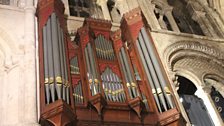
(102, 77)
(56, 100)
(152, 69)
(55, 67)
(120, 74)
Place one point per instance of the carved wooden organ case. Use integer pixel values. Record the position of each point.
(118, 78)
(56, 100)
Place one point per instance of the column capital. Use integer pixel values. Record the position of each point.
(207, 89)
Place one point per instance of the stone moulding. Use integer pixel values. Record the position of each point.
(202, 50)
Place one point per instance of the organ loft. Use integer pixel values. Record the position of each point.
(111, 63)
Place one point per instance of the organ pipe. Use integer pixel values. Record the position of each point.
(157, 67)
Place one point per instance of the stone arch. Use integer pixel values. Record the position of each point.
(195, 61)
(182, 49)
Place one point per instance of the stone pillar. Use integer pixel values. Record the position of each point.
(132, 4)
(199, 17)
(161, 22)
(105, 10)
(122, 6)
(175, 87)
(30, 89)
(204, 94)
(148, 9)
(168, 14)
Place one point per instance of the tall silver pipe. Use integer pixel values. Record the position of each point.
(91, 60)
(152, 72)
(56, 55)
(65, 67)
(97, 47)
(110, 50)
(126, 64)
(105, 88)
(61, 58)
(96, 81)
(63, 63)
(89, 71)
(125, 74)
(46, 75)
(118, 93)
(101, 46)
(149, 78)
(157, 67)
(50, 59)
(104, 47)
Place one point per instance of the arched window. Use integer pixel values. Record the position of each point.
(183, 18)
(79, 8)
(162, 18)
(193, 105)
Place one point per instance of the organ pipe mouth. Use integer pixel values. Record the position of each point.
(128, 85)
(167, 90)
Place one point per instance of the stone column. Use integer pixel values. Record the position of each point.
(175, 87)
(168, 14)
(204, 94)
(105, 10)
(122, 6)
(30, 71)
(148, 9)
(198, 16)
(161, 22)
(132, 4)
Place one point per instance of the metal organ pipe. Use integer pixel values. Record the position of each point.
(50, 59)
(89, 72)
(91, 65)
(113, 91)
(46, 75)
(55, 67)
(61, 55)
(56, 58)
(152, 72)
(125, 74)
(66, 85)
(149, 78)
(96, 82)
(131, 80)
(157, 67)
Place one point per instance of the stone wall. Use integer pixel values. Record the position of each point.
(18, 71)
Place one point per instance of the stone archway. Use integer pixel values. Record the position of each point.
(193, 60)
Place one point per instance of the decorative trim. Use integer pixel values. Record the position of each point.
(212, 53)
